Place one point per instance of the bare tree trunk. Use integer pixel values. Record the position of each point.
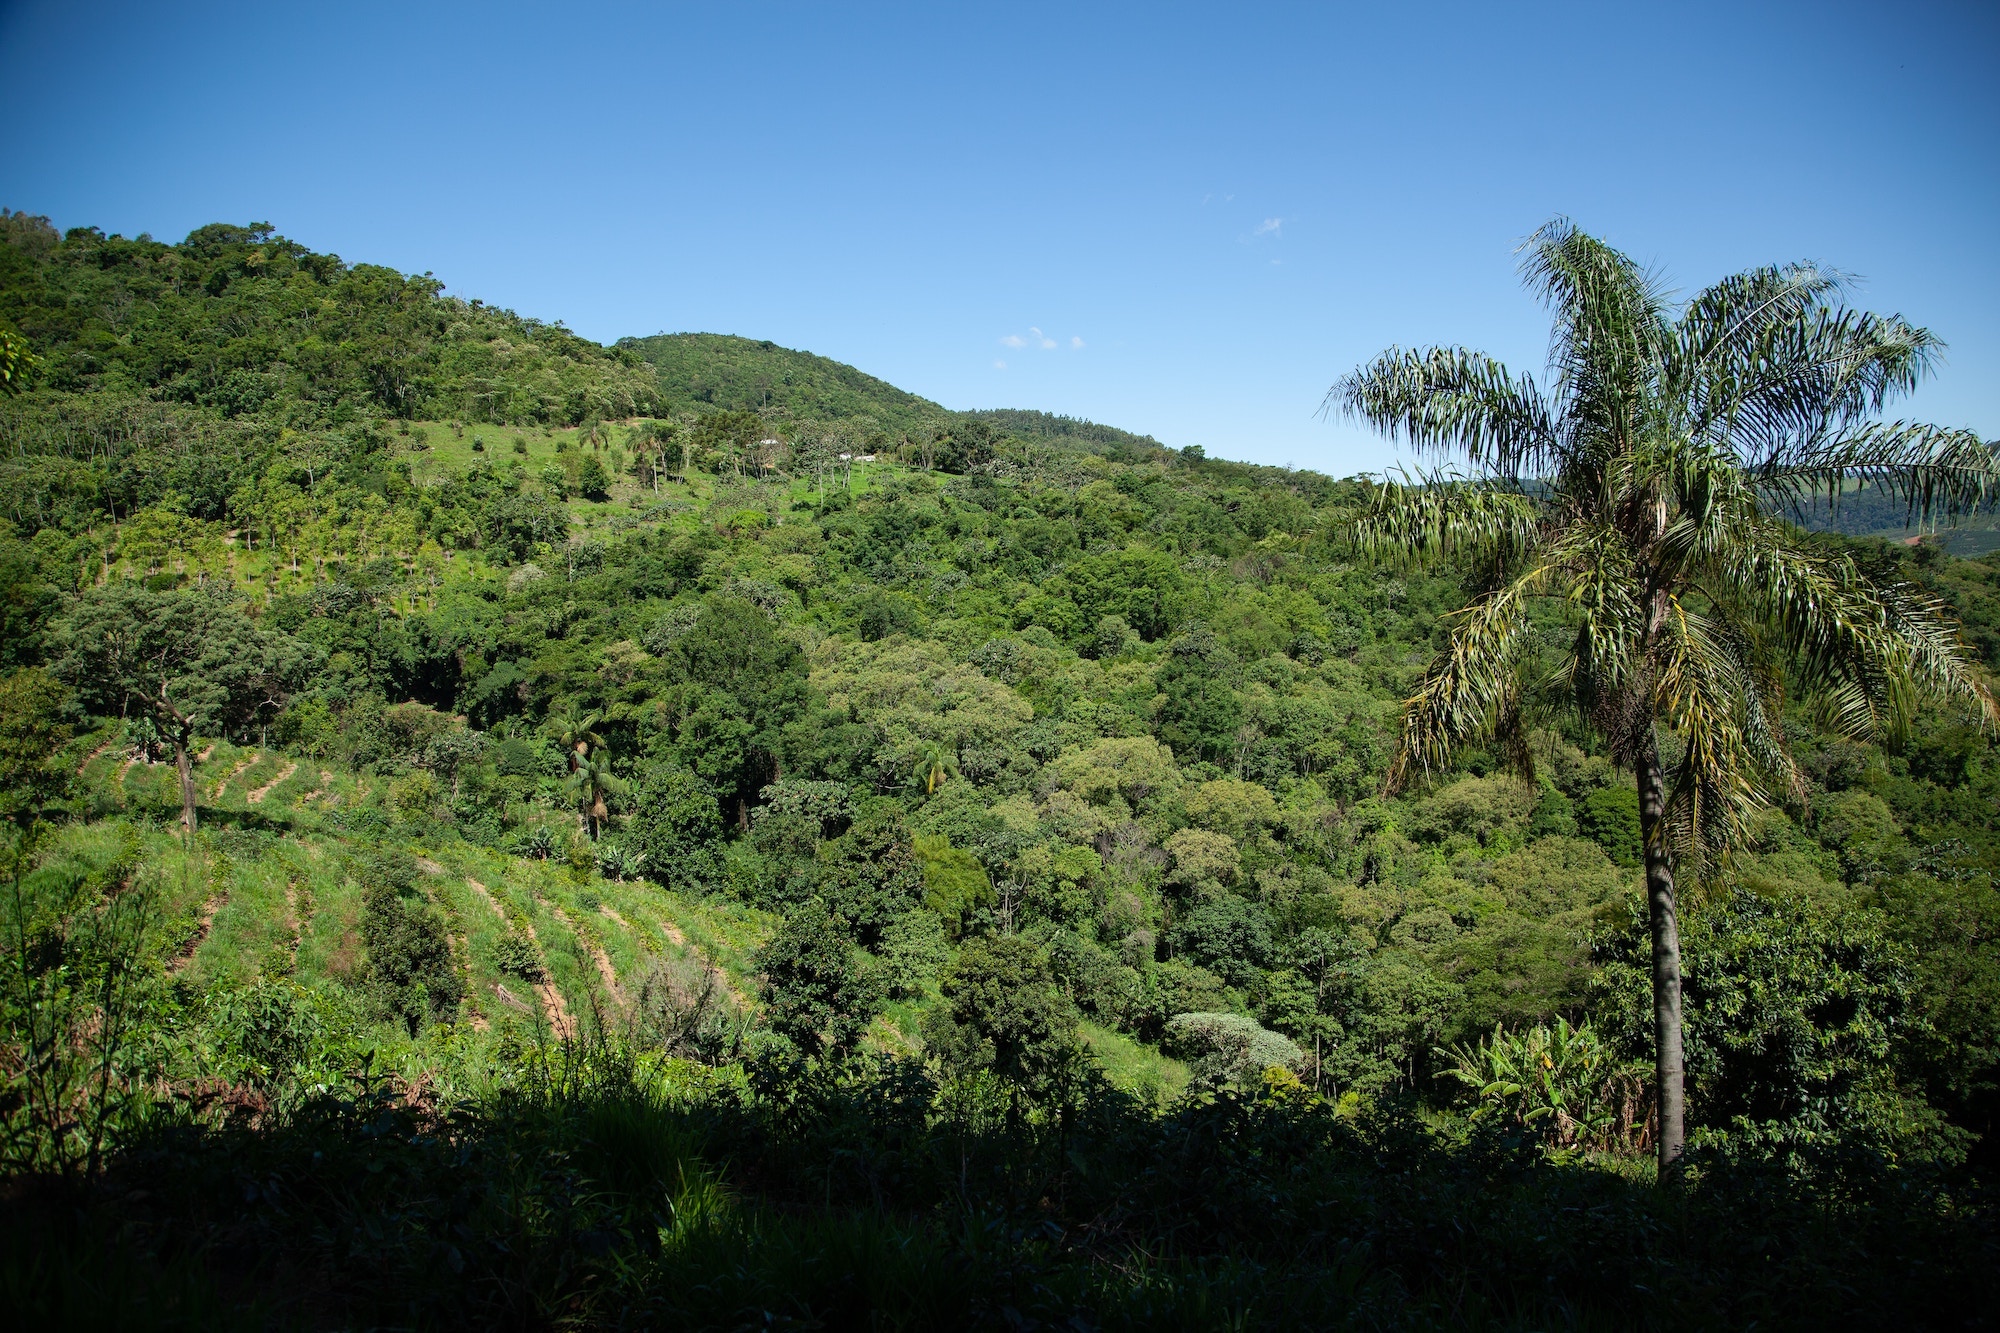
(187, 780)
(1668, 1068)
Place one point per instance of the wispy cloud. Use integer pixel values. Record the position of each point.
(1269, 227)
(1037, 338)
(999, 365)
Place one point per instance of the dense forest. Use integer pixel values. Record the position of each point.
(509, 832)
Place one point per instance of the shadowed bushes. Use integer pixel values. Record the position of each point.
(590, 1189)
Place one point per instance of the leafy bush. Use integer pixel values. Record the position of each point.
(273, 1031)
(517, 956)
(410, 966)
(1229, 1048)
(913, 952)
(1793, 1009)
(675, 825)
(1003, 1012)
(814, 990)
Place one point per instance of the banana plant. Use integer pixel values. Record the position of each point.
(537, 842)
(619, 863)
(1559, 1080)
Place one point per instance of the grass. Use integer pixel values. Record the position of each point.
(1134, 1066)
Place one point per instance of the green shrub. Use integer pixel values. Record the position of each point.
(517, 956)
(1229, 1048)
(913, 951)
(815, 993)
(410, 967)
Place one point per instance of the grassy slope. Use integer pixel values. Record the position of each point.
(267, 896)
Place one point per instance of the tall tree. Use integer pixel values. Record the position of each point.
(595, 785)
(189, 661)
(1638, 496)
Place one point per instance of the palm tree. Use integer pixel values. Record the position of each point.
(594, 782)
(1637, 497)
(575, 731)
(936, 761)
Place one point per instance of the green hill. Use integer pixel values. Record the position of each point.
(663, 882)
(705, 372)
(1031, 425)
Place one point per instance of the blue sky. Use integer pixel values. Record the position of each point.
(1181, 220)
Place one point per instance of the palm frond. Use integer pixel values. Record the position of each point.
(1702, 692)
(1740, 312)
(1600, 585)
(1437, 519)
(1935, 471)
(1611, 321)
(1450, 398)
(1800, 381)
(1472, 689)
(1868, 653)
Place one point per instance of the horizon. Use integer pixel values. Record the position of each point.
(1011, 213)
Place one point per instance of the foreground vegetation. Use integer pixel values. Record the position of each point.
(507, 832)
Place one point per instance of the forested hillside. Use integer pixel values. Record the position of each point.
(709, 371)
(512, 831)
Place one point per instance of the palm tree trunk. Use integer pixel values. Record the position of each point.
(1668, 1068)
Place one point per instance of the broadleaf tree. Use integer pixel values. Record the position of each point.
(188, 660)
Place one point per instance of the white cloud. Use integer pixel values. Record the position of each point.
(1037, 338)
(999, 365)
(1269, 227)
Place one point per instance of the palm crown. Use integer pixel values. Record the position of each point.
(1638, 495)
(1642, 493)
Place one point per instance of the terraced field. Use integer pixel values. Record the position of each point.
(268, 893)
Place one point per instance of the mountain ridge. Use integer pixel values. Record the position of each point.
(731, 372)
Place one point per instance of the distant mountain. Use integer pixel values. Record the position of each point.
(1870, 511)
(706, 372)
